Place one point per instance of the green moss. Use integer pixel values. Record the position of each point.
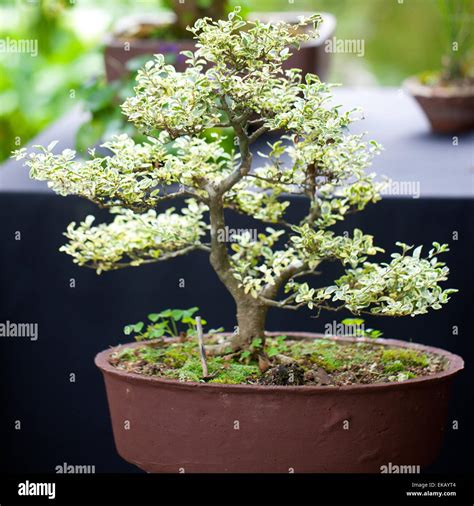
(190, 371)
(151, 355)
(276, 345)
(395, 366)
(408, 358)
(345, 363)
(222, 371)
(402, 376)
(302, 349)
(326, 360)
(234, 374)
(127, 354)
(175, 357)
(325, 354)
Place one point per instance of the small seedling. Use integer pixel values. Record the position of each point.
(169, 323)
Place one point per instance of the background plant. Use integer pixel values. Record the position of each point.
(34, 90)
(458, 20)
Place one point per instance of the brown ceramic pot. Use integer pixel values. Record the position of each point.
(119, 49)
(448, 109)
(171, 426)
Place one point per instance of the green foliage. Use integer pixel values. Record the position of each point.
(167, 323)
(373, 333)
(102, 100)
(276, 346)
(408, 285)
(271, 347)
(353, 321)
(359, 329)
(390, 54)
(458, 21)
(235, 79)
(404, 357)
(132, 240)
(255, 347)
(35, 90)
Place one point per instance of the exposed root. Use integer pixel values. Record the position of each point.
(283, 359)
(223, 348)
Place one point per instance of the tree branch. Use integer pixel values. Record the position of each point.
(236, 209)
(219, 256)
(259, 132)
(281, 304)
(286, 304)
(245, 155)
(162, 258)
(271, 291)
(180, 193)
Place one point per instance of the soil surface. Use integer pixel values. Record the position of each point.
(283, 362)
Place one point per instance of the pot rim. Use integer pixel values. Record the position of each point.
(413, 86)
(456, 364)
(325, 30)
(116, 38)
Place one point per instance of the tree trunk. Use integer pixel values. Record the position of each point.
(251, 318)
(251, 314)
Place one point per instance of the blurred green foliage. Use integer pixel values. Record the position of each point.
(35, 90)
(102, 100)
(401, 37)
(458, 21)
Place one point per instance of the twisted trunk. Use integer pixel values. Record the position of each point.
(251, 314)
(251, 318)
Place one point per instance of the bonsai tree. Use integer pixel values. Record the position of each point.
(235, 79)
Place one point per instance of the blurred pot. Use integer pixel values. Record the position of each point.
(312, 58)
(449, 109)
(132, 38)
(129, 40)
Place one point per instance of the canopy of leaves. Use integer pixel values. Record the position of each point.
(235, 80)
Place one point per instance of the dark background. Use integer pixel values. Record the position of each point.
(64, 422)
